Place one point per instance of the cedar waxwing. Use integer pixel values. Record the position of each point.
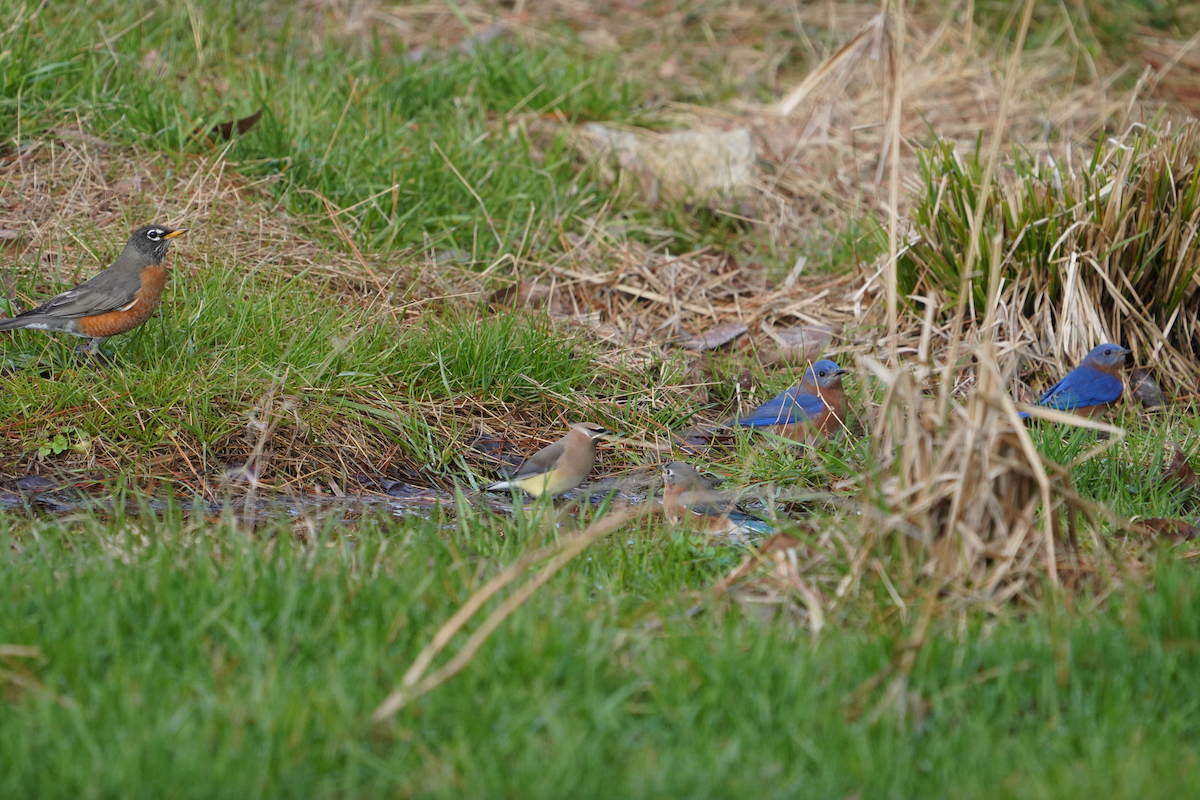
(691, 499)
(559, 467)
(817, 403)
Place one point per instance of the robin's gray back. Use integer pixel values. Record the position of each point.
(114, 288)
(111, 290)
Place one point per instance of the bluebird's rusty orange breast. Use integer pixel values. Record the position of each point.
(829, 419)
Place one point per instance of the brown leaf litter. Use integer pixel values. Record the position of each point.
(72, 183)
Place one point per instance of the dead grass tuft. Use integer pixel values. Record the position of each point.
(968, 503)
(963, 511)
(62, 192)
(1093, 247)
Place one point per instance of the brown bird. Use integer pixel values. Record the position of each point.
(116, 301)
(692, 500)
(559, 467)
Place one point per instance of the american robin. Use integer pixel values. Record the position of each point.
(116, 301)
(691, 500)
(559, 467)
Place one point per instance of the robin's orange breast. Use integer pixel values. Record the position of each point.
(146, 299)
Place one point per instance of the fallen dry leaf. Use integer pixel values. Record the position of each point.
(35, 483)
(130, 185)
(693, 441)
(528, 294)
(798, 346)
(1179, 469)
(154, 63)
(11, 243)
(226, 129)
(599, 40)
(777, 544)
(498, 452)
(716, 337)
(1177, 529)
(781, 139)
(669, 68)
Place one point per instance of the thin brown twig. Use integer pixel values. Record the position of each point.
(414, 685)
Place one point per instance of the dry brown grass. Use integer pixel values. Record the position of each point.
(822, 157)
(65, 191)
(960, 507)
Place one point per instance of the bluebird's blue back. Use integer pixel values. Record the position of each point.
(1094, 383)
(785, 409)
(799, 403)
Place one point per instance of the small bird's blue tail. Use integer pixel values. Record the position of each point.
(750, 524)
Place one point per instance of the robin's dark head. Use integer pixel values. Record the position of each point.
(152, 241)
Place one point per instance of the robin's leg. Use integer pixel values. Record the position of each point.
(92, 350)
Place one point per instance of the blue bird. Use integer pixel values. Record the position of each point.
(817, 402)
(1092, 386)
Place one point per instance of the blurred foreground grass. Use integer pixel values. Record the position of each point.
(183, 658)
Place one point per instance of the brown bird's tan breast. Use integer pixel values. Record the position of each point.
(146, 300)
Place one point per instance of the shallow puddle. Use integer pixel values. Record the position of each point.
(38, 496)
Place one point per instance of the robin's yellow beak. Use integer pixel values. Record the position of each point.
(176, 232)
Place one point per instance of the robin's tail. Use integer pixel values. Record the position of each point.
(33, 321)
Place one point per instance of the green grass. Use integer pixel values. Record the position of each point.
(225, 340)
(1101, 28)
(413, 145)
(186, 659)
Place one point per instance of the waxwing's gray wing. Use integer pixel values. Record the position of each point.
(541, 461)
